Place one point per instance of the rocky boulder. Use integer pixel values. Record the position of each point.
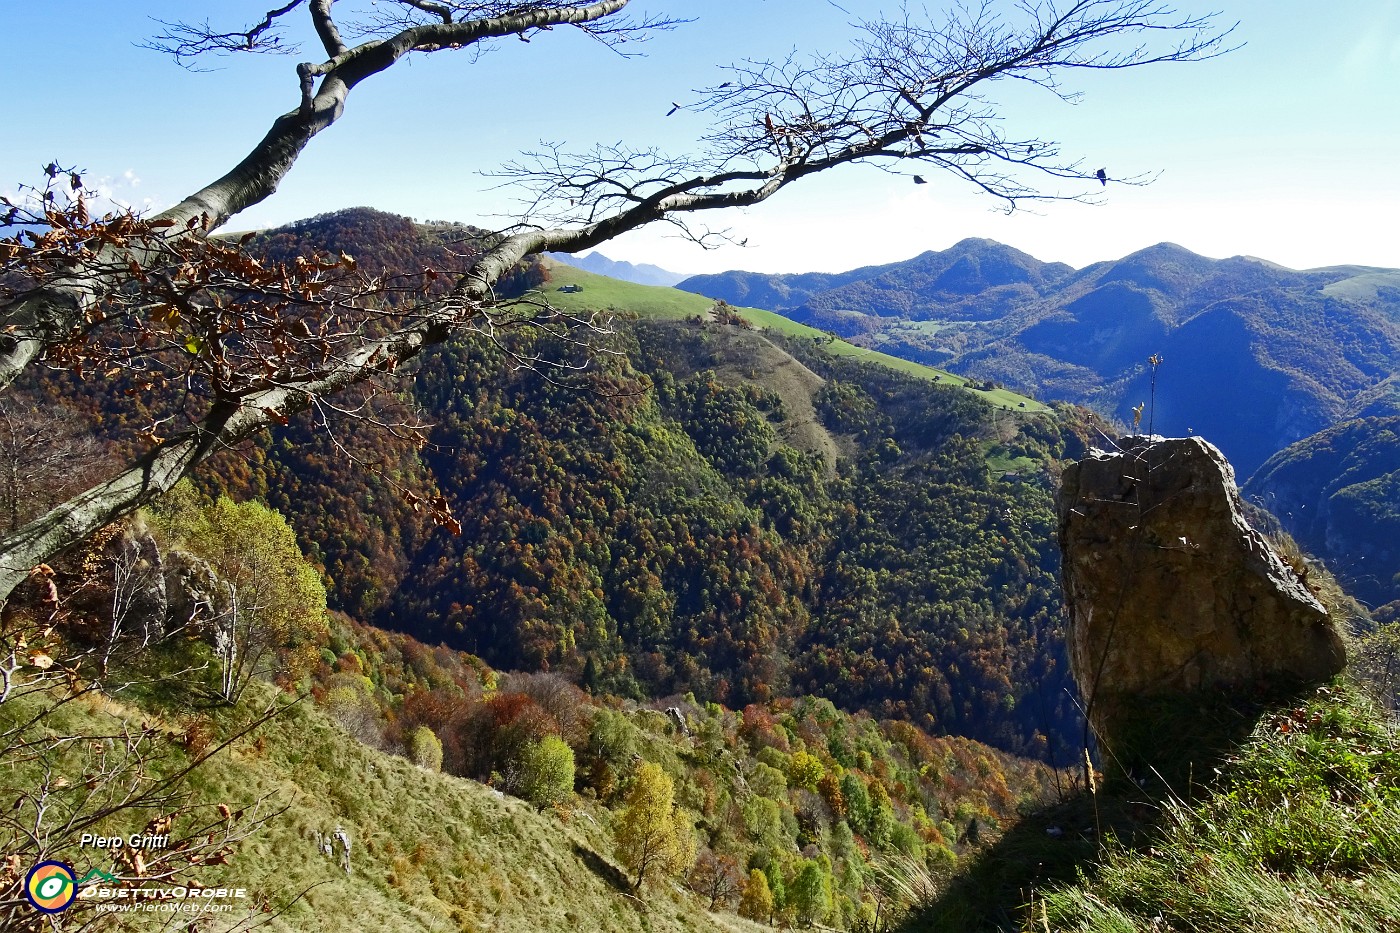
(1171, 593)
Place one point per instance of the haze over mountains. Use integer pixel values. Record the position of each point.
(642, 273)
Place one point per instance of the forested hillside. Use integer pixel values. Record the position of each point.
(787, 787)
(413, 788)
(1295, 351)
(788, 594)
(668, 523)
(1338, 492)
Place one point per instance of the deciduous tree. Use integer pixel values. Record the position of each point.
(805, 770)
(652, 834)
(715, 877)
(274, 617)
(547, 771)
(425, 748)
(164, 300)
(810, 893)
(756, 903)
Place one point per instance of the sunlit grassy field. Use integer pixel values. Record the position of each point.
(601, 293)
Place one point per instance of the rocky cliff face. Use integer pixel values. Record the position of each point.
(1171, 593)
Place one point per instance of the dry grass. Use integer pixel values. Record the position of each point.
(430, 852)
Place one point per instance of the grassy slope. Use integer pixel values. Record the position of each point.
(747, 357)
(1297, 830)
(436, 852)
(600, 292)
(431, 852)
(1300, 833)
(1364, 285)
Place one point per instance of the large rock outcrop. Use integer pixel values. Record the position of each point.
(1171, 593)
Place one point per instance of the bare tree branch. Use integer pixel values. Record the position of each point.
(186, 42)
(910, 95)
(326, 27)
(50, 316)
(152, 297)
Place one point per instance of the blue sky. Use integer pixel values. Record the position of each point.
(1286, 149)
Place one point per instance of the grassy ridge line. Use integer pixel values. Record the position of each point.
(1365, 285)
(673, 304)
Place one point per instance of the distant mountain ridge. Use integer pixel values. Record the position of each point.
(931, 280)
(1291, 352)
(641, 274)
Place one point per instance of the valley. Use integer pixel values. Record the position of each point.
(1295, 351)
(1298, 357)
(816, 584)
